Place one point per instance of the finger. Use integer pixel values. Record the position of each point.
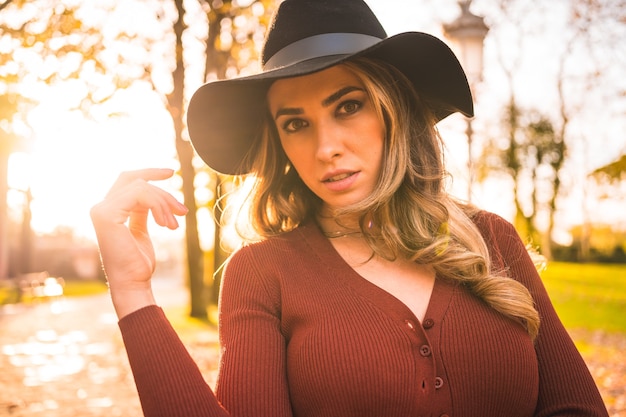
(134, 201)
(149, 174)
(141, 197)
(164, 210)
(138, 220)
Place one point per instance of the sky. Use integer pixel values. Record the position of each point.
(71, 162)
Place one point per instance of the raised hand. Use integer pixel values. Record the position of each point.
(120, 221)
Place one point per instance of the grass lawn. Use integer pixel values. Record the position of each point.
(591, 301)
(79, 288)
(588, 296)
(71, 288)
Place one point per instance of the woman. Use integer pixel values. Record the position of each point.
(372, 292)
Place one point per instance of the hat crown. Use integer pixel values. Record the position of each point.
(300, 19)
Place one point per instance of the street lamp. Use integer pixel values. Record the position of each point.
(467, 34)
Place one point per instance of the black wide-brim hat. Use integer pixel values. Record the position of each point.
(225, 117)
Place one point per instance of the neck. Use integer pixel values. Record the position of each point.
(334, 227)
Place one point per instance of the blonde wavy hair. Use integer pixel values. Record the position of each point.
(412, 214)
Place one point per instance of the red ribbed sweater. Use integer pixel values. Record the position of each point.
(304, 335)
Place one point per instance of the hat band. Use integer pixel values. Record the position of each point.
(317, 46)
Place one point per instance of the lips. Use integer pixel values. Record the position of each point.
(338, 177)
(340, 181)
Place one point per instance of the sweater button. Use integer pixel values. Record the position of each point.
(428, 323)
(425, 350)
(438, 382)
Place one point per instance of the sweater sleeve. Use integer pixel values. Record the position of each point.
(252, 379)
(566, 387)
(168, 381)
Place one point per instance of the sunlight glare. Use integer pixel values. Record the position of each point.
(74, 160)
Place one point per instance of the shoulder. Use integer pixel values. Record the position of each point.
(492, 224)
(274, 253)
(301, 238)
(502, 239)
(262, 268)
(507, 249)
(496, 230)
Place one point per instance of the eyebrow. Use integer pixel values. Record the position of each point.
(336, 96)
(290, 111)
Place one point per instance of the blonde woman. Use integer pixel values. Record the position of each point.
(372, 291)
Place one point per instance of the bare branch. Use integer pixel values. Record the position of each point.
(5, 4)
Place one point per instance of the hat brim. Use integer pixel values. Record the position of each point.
(225, 117)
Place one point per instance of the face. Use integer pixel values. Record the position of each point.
(331, 133)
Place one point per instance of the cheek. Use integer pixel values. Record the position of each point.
(376, 142)
(374, 129)
(297, 155)
(377, 150)
(378, 159)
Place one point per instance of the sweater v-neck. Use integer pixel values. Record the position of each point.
(438, 302)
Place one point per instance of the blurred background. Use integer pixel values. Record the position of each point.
(89, 89)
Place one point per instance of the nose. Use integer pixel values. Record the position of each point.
(329, 142)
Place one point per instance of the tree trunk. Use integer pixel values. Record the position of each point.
(558, 164)
(216, 63)
(195, 270)
(4, 218)
(26, 237)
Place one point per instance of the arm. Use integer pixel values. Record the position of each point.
(252, 379)
(566, 387)
(168, 381)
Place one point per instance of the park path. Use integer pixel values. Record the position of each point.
(66, 358)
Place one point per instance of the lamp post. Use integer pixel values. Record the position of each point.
(467, 34)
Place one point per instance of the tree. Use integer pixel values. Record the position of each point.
(505, 151)
(84, 45)
(613, 172)
(537, 142)
(50, 36)
(175, 105)
(8, 108)
(233, 46)
(531, 157)
(81, 48)
(548, 150)
(588, 22)
(4, 4)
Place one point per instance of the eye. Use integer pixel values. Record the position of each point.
(349, 107)
(293, 125)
